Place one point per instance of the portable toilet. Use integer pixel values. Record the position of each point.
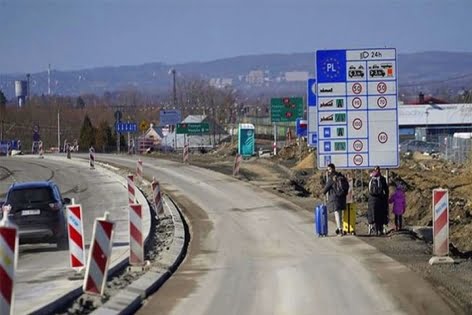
(246, 140)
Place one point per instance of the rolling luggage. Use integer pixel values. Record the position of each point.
(321, 220)
(349, 219)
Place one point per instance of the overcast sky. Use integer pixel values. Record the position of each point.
(75, 34)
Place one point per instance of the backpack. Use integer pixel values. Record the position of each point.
(341, 185)
(376, 186)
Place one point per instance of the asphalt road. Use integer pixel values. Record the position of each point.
(252, 252)
(42, 270)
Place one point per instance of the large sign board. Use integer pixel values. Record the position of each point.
(312, 114)
(286, 109)
(357, 117)
(169, 117)
(126, 127)
(193, 128)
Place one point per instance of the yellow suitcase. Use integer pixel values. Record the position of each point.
(349, 219)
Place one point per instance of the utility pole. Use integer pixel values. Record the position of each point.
(49, 79)
(174, 89)
(58, 131)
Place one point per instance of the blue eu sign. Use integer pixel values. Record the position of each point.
(331, 66)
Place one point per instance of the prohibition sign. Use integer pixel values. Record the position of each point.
(357, 124)
(382, 137)
(356, 102)
(357, 145)
(382, 102)
(381, 87)
(358, 159)
(357, 88)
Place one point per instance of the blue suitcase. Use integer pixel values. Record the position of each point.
(321, 220)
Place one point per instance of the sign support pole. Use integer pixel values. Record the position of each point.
(275, 139)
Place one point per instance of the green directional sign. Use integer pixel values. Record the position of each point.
(193, 128)
(286, 109)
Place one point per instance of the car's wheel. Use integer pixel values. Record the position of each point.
(63, 243)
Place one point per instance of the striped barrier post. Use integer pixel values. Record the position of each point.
(131, 190)
(156, 193)
(76, 237)
(237, 163)
(8, 262)
(136, 241)
(139, 171)
(41, 150)
(185, 153)
(92, 158)
(440, 227)
(99, 256)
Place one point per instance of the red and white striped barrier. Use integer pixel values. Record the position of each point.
(440, 227)
(8, 261)
(99, 256)
(76, 237)
(41, 150)
(136, 241)
(237, 164)
(185, 153)
(92, 157)
(131, 190)
(157, 197)
(139, 171)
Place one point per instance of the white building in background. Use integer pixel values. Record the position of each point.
(255, 77)
(221, 83)
(296, 76)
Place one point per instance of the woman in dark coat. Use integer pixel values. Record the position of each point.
(377, 210)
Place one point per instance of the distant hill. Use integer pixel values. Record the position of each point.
(427, 71)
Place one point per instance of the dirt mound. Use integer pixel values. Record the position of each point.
(307, 163)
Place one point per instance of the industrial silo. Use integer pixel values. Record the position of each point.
(21, 91)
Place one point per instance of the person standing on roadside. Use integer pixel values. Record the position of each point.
(337, 191)
(378, 200)
(398, 200)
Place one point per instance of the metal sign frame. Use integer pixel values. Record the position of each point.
(357, 110)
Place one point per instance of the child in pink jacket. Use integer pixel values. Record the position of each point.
(398, 199)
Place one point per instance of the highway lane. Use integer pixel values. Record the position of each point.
(43, 270)
(252, 252)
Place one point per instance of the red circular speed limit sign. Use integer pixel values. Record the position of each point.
(358, 159)
(382, 137)
(381, 102)
(357, 124)
(356, 88)
(381, 87)
(356, 102)
(358, 145)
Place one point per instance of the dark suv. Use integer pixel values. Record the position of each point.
(39, 211)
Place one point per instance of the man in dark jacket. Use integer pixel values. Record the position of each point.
(377, 210)
(335, 203)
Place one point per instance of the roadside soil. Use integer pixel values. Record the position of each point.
(293, 175)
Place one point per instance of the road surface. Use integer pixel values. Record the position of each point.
(252, 252)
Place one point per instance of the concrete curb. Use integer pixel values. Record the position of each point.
(130, 299)
(118, 266)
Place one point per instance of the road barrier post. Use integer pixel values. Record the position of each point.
(440, 227)
(131, 190)
(157, 197)
(8, 262)
(99, 256)
(139, 171)
(136, 240)
(75, 230)
(185, 153)
(41, 150)
(92, 158)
